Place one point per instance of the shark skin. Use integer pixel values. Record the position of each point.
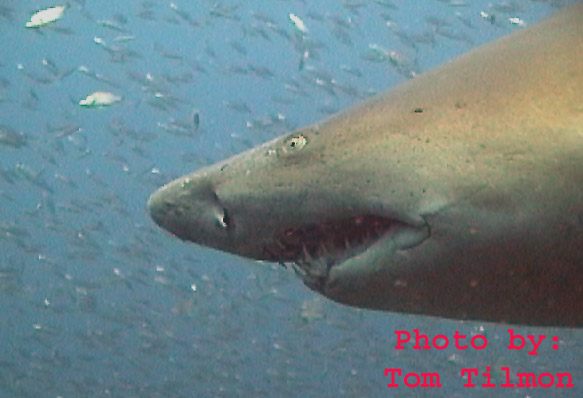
(457, 194)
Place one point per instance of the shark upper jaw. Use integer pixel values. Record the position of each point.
(312, 241)
(313, 250)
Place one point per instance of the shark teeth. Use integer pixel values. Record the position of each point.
(313, 249)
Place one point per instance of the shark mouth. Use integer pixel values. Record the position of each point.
(312, 250)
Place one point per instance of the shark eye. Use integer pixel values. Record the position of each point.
(296, 142)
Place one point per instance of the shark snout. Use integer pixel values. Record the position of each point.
(165, 210)
(189, 209)
(156, 207)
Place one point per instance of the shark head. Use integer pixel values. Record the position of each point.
(296, 200)
(457, 194)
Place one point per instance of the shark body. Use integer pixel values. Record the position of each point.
(457, 194)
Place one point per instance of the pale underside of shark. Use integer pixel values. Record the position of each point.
(458, 194)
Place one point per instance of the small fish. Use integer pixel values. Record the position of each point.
(64, 130)
(111, 25)
(11, 138)
(351, 70)
(99, 98)
(454, 35)
(66, 180)
(376, 53)
(182, 128)
(237, 46)
(516, 21)
(342, 35)
(256, 30)
(24, 172)
(7, 13)
(488, 17)
(405, 65)
(124, 38)
(303, 59)
(185, 16)
(195, 117)
(238, 106)
(457, 3)
(269, 122)
(298, 23)
(31, 101)
(46, 16)
(51, 66)
(164, 101)
(464, 20)
(507, 7)
(223, 11)
(386, 4)
(260, 71)
(97, 76)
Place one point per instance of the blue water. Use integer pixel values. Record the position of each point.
(98, 302)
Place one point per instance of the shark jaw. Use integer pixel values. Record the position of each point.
(314, 249)
(311, 244)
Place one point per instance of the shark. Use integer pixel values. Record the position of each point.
(457, 194)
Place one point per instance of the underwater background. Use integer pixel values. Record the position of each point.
(96, 301)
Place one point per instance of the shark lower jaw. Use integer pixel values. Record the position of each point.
(312, 250)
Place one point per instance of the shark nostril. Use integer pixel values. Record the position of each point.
(224, 220)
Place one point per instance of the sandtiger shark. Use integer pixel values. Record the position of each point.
(457, 194)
